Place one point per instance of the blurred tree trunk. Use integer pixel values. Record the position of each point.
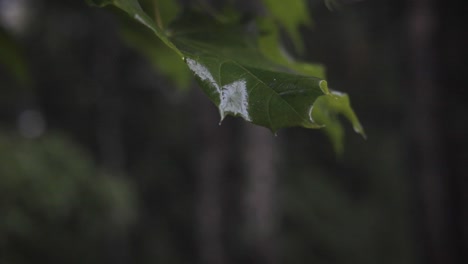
(426, 146)
(109, 134)
(214, 145)
(258, 203)
(453, 52)
(260, 195)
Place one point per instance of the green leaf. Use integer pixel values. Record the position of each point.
(233, 71)
(159, 54)
(291, 15)
(240, 80)
(168, 10)
(326, 110)
(271, 46)
(133, 8)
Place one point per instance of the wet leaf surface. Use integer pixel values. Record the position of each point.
(230, 64)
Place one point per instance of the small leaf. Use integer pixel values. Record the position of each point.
(326, 111)
(270, 44)
(291, 15)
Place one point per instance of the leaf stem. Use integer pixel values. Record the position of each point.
(212, 11)
(157, 15)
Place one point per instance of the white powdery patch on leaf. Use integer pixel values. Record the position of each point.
(233, 97)
(203, 73)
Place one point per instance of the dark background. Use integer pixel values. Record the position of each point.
(103, 160)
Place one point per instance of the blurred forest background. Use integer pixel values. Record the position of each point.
(103, 160)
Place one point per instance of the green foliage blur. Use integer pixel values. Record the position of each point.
(55, 204)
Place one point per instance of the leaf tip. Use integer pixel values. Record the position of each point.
(222, 116)
(324, 87)
(360, 130)
(274, 131)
